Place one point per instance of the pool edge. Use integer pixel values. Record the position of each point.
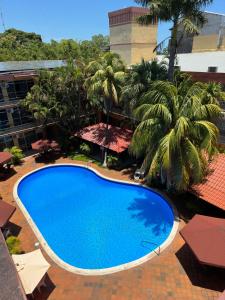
(95, 272)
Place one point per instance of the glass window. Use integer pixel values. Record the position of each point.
(16, 116)
(30, 137)
(21, 116)
(21, 89)
(1, 95)
(26, 116)
(11, 90)
(9, 141)
(18, 89)
(26, 139)
(212, 69)
(22, 142)
(6, 142)
(4, 122)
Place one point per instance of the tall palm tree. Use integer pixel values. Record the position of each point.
(176, 134)
(70, 93)
(139, 78)
(104, 82)
(186, 14)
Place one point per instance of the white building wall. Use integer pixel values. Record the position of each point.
(199, 62)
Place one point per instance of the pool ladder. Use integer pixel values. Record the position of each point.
(157, 250)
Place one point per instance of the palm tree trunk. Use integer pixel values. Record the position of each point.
(172, 52)
(106, 138)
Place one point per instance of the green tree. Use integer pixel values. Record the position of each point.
(41, 100)
(138, 80)
(57, 95)
(186, 14)
(70, 95)
(176, 134)
(104, 83)
(19, 45)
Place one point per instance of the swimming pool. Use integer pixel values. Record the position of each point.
(88, 222)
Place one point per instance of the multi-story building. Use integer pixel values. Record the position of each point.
(17, 126)
(210, 38)
(130, 39)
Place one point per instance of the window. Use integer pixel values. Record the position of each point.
(19, 89)
(212, 69)
(11, 90)
(1, 95)
(21, 116)
(6, 142)
(26, 139)
(30, 138)
(4, 122)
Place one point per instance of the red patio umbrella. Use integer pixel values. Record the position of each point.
(45, 145)
(206, 238)
(5, 157)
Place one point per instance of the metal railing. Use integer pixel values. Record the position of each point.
(156, 250)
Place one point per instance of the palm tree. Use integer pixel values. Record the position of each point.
(139, 78)
(104, 82)
(182, 14)
(176, 134)
(70, 93)
(41, 100)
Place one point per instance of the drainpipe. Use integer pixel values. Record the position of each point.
(221, 37)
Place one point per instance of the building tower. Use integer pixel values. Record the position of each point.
(129, 39)
(210, 38)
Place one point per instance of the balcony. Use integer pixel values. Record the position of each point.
(14, 129)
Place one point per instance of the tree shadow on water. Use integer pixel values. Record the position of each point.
(150, 215)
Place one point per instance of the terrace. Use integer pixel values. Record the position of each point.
(174, 274)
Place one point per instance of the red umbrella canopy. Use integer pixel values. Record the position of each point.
(5, 157)
(206, 238)
(44, 145)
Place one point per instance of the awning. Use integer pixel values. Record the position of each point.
(45, 145)
(5, 157)
(31, 268)
(6, 211)
(206, 238)
(119, 139)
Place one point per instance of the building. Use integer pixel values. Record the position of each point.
(17, 126)
(212, 62)
(210, 38)
(130, 39)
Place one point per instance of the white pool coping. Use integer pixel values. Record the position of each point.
(94, 272)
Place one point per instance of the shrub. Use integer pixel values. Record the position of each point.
(17, 154)
(13, 244)
(112, 161)
(85, 149)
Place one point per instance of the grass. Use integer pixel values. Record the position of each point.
(84, 158)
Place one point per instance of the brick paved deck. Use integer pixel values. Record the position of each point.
(174, 275)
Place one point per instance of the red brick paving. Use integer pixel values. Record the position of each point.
(163, 277)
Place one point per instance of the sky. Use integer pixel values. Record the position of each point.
(80, 20)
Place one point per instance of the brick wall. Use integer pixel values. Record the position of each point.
(207, 77)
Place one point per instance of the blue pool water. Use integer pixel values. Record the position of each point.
(93, 223)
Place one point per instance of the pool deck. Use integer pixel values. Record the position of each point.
(174, 275)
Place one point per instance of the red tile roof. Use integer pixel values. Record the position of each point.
(213, 189)
(119, 139)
